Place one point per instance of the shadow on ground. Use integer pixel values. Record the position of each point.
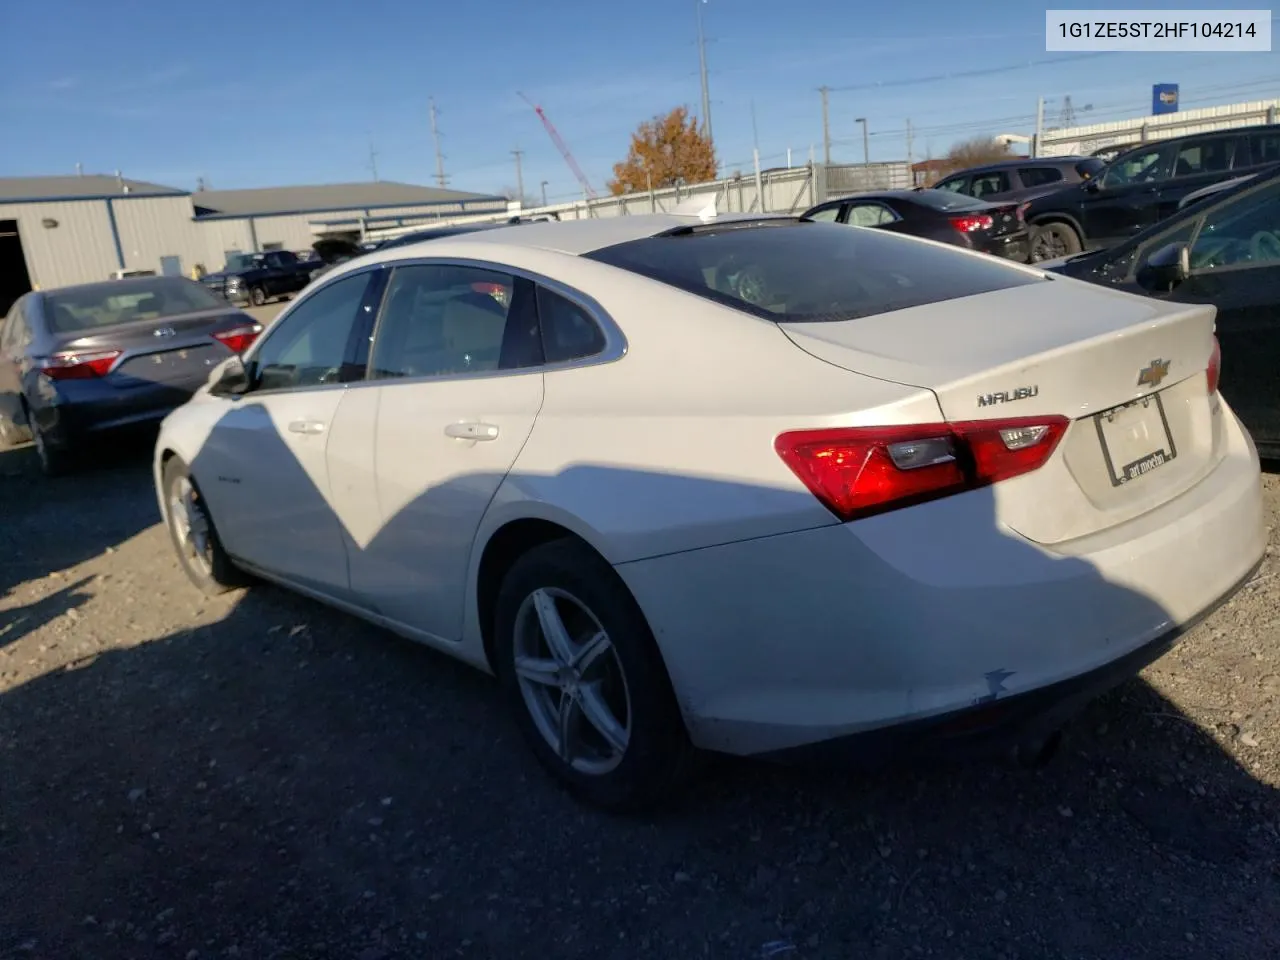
(290, 783)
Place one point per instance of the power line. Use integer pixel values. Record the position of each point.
(965, 74)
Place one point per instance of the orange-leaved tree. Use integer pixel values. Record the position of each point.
(665, 151)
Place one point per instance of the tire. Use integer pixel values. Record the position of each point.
(624, 674)
(1053, 240)
(54, 462)
(257, 296)
(201, 556)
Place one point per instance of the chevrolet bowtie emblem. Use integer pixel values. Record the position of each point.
(1153, 373)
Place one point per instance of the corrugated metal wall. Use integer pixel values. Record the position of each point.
(80, 248)
(155, 227)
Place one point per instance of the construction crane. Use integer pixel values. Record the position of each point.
(562, 147)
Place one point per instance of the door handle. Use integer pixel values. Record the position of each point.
(306, 426)
(472, 431)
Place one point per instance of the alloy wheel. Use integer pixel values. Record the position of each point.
(191, 525)
(572, 681)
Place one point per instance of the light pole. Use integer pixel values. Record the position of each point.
(866, 151)
(544, 193)
(702, 65)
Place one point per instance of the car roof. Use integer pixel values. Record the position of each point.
(1022, 162)
(1224, 132)
(909, 195)
(575, 237)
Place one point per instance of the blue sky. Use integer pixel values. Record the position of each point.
(261, 94)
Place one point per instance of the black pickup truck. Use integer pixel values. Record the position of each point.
(258, 277)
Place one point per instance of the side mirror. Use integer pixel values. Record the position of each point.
(1165, 269)
(229, 378)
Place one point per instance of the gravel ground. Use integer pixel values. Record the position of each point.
(260, 777)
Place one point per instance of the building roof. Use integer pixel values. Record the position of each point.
(93, 186)
(269, 201)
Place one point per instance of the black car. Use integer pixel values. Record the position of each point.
(934, 215)
(1143, 186)
(1023, 178)
(79, 362)
(258, 277)
(1224, 250)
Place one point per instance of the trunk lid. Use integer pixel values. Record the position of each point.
(1062, 347)
(1004, 221)
(178, 350)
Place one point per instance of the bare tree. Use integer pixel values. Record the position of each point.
(976, 151)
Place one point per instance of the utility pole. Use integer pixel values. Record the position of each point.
(373, 160)
(702, 65)
(755, 157)
(1035, 144)
(866, 150)
(826, 127)
(441, 179)
(518, 153)
(910, 144)
(544, 193)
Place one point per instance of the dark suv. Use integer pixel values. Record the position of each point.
(1023, 178)
(1143, 186)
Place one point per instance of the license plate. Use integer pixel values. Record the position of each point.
(1135, 439)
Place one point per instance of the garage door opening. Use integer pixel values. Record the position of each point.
(14, 279)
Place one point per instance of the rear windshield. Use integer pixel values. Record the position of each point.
(1088, 169)
(109, 304)
(947, 201)
(800, 271)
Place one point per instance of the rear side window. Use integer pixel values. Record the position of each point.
(1265, 147)
(985, 184)
(568, 332)
(1204, 156)
(1039, 176)
(796, 272)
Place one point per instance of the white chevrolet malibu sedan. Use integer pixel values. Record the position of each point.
(762, 486)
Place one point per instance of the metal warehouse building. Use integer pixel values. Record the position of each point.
(56, 231)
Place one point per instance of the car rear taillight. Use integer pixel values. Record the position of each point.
(69, 365)
(1214, 371)
(862, 471)
(239, 339)
(972, 222)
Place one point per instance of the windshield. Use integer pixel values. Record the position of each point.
(947, 201)
(801, 271)
(110, 304)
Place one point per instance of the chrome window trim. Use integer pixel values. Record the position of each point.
(615, 347)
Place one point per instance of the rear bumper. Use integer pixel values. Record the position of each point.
(785, 642)
(1015, 246)
(996, 726)
(76, 416)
